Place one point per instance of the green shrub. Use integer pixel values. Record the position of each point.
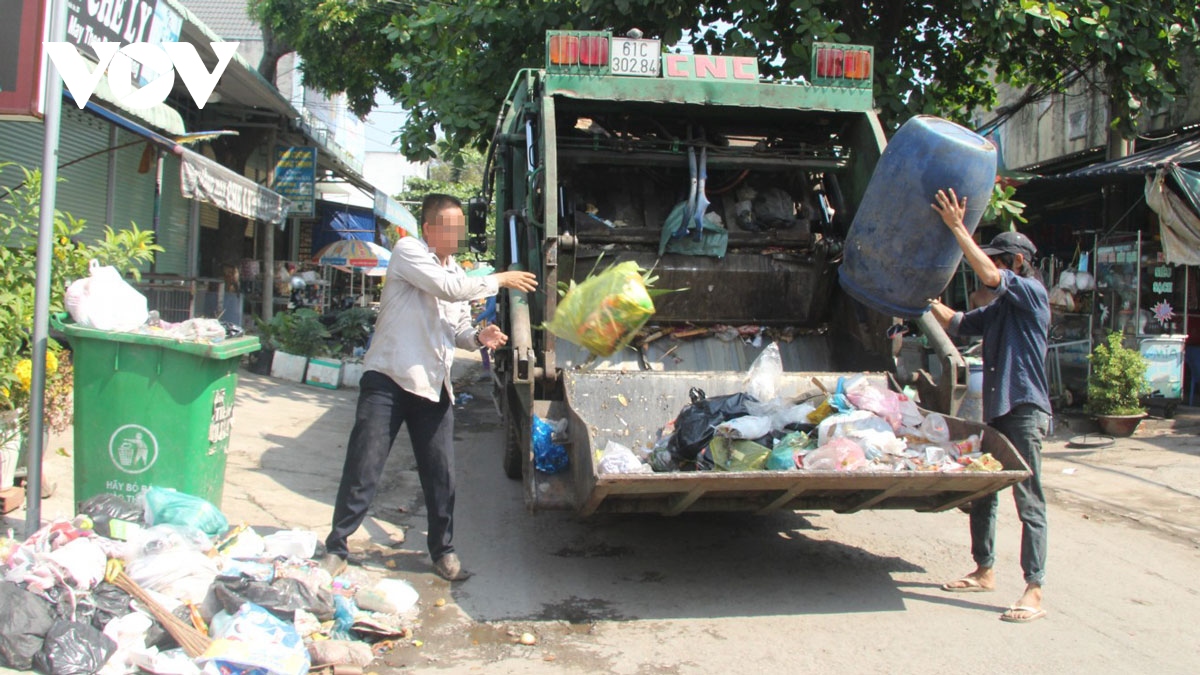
(1117, 380)
(353, 327)
(298, 332)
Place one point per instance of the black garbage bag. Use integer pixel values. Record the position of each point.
(103, 508)
(105, 603)
(281, 597)
(25, 619)
(695, 423)
(73, 648)
(159, 638)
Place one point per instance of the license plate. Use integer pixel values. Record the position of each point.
(642, 58)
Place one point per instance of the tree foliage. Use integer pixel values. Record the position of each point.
(450, 64)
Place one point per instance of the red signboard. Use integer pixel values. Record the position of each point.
(20, 58)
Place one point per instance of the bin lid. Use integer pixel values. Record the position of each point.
(225, 349)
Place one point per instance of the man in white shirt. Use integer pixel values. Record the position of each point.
(423, 315)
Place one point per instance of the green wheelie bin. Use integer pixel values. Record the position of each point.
(152, 411)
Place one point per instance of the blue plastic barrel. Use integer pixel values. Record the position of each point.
(899, 253)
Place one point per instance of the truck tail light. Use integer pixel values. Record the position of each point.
(583, 52)
(564, 50)
(593, 51)
(842, 65)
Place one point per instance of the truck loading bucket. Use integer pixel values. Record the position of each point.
(630, 408)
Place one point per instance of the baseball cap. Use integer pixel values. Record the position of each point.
(1011, 242)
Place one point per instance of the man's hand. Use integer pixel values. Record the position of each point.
(491, 336)
(521, 281)
(951, 209)
(941, 313)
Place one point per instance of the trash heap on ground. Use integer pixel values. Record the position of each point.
(857, 427)
(166, 586)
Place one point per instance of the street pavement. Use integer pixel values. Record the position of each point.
(617, 595)
(288, 443)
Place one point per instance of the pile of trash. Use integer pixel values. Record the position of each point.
(103, 300)
(857, 427)
(165, 586)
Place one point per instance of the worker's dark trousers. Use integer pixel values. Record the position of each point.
(383, 406)
(1025, 426)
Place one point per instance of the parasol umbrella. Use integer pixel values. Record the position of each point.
(354, 253)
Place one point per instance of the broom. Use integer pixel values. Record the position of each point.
(194, 642)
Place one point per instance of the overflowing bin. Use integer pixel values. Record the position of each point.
(152, 411)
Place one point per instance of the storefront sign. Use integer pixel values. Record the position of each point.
(295, 178)
(90, 21)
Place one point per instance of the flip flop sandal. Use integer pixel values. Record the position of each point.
(969, 585)
(1032, 614)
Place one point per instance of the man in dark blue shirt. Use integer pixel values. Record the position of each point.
(1016, 398)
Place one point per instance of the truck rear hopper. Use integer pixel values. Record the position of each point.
(630, 407)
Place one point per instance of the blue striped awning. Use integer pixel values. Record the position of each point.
(1182, 153)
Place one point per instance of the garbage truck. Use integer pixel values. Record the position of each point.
(736, 193)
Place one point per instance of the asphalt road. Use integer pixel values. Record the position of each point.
(793, 592)
(786, 593)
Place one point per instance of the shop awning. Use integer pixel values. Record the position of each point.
(202, 178)
(161, 116)
(127, 124)
(1184, 152)
(394, 212)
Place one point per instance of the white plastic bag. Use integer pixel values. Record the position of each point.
(762, 381)
(935, 428)
(390, 596)
(290, 544)
(104, 301)
(617, 458)
(749, 427)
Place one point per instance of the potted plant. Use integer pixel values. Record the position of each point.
(353, 328)
(296, 337)
(1115, 385)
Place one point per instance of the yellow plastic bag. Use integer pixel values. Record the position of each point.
(605, 311)
(824, 410)
(985, 462)
(738, 455)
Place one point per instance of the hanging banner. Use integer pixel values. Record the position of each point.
(20, 59)
(203, 179)
(295, 178)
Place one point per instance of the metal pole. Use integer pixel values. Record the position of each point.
(158, 181)
(41, 302)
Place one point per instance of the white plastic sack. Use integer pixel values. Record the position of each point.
(83, 560)
(748, 427)
(935, 428)
(104, 301)
(762, 380)
(290, 544)
(617, 458)
(781, 411)
(390, 596)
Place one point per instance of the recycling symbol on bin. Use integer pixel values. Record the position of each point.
(133, 448)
